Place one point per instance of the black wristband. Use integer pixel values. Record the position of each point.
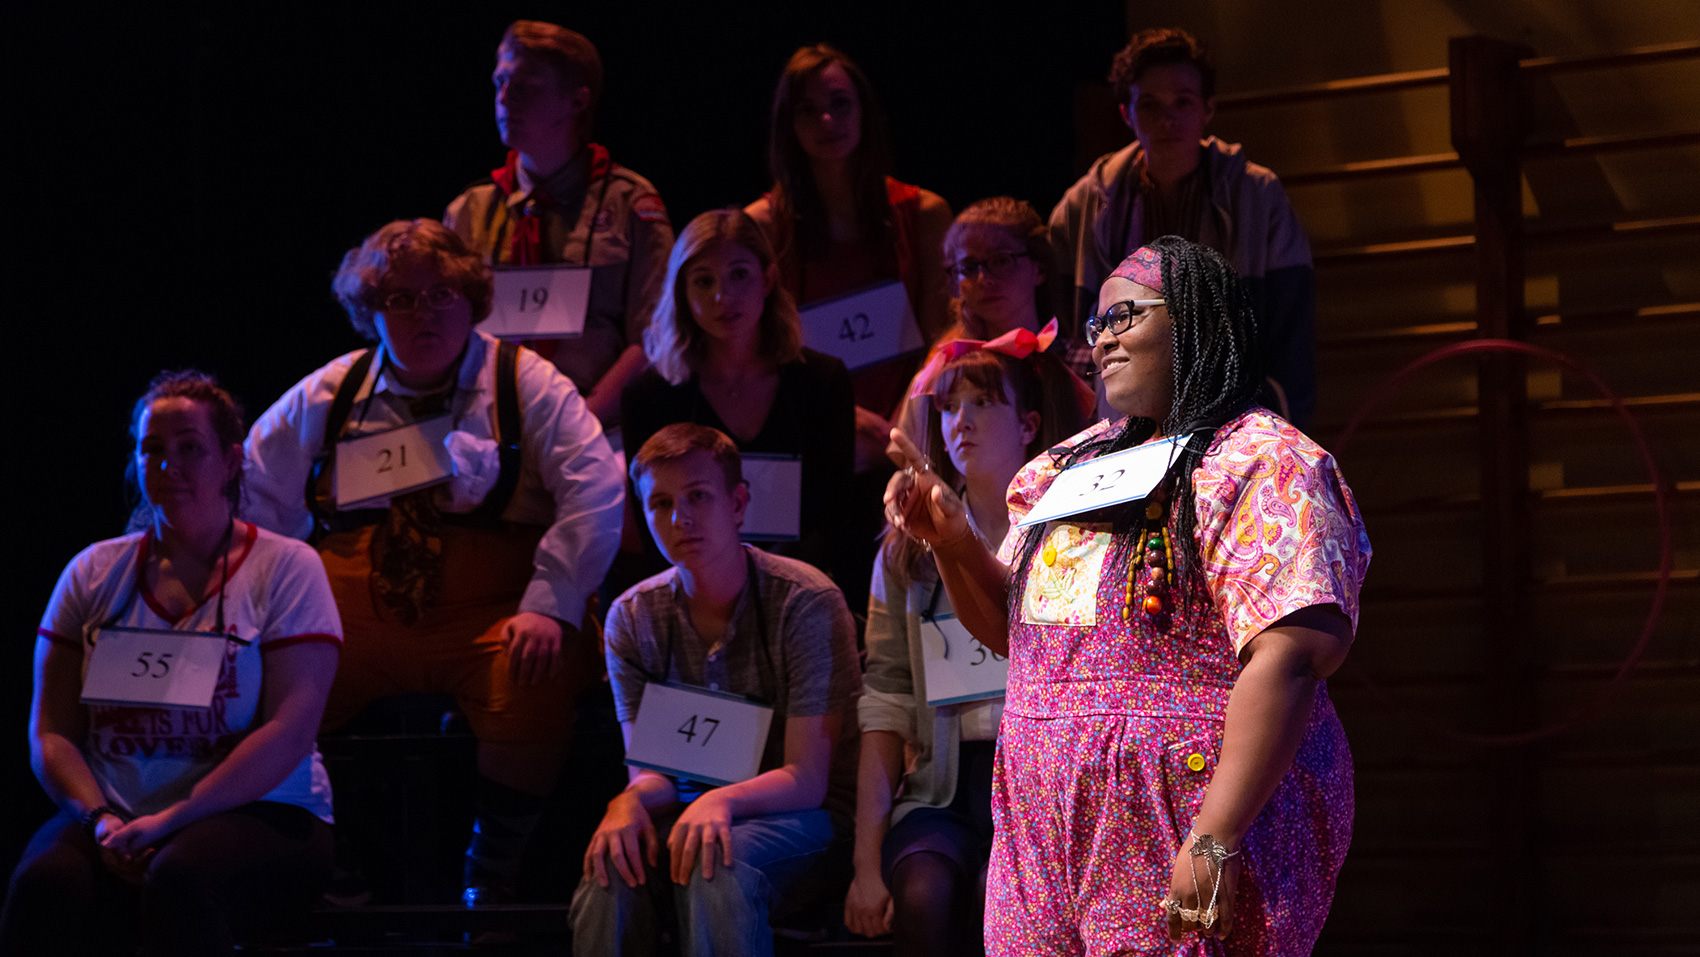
(92, 818)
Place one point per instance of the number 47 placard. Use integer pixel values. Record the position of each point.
(697, 734)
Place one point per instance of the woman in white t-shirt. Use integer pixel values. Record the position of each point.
(180, 674)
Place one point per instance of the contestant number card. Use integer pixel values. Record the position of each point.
(153, 667)
(700, 735)
(776, 498)
(863, 327)
(1102, 482)
(539, 302)
(374, 467)
(958, 668)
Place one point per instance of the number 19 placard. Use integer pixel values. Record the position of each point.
(539, 302)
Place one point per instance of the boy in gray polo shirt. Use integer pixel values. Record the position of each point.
(731, 619)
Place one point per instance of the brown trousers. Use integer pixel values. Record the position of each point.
(456, 648)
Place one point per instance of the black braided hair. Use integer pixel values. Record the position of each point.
(1217, 372)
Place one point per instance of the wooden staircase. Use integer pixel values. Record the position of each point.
(1513, 518)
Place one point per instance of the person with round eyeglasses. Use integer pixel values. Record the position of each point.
(1170, 772)
(1003, 282)
(472, 574)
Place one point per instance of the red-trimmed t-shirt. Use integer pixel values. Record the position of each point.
(148, 758)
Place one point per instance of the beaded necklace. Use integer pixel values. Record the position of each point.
(1155, 555)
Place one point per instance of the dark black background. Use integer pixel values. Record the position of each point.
(185, 183)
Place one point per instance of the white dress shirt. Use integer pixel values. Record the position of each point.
(569, 480)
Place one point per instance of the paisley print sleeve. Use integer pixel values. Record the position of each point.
(1278, 529)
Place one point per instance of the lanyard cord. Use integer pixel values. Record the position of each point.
(223, 579)
(448, 403)
(761, 629)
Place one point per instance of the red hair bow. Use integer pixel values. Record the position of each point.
(1016, 343)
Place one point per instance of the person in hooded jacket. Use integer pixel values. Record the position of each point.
(1173, 180)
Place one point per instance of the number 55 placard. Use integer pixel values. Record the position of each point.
(700, 735)
(539, 302)
(1111, 480)
(158, 668)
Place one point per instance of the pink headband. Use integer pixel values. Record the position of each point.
(1016, 343)
(1145, 267)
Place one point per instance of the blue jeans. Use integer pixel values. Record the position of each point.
(775, 860)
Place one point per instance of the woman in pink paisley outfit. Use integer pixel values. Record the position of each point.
(1167, 656)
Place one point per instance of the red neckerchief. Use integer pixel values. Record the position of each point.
(527, 241)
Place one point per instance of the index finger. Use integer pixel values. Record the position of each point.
(912, 457)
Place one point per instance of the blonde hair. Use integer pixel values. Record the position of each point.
(1020, 222)
(674, 342)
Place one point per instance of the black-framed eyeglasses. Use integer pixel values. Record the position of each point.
(1118, 317)
(410, 300)
(998, 265)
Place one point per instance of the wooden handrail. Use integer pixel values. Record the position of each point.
(1539, 319)
(1637, 56)
(1551, 497)
(1671, 402)
(1611, 144)
(1365, 169)
(1381, 83)
(1543, 237)
(1416, 79)
(1431, 162)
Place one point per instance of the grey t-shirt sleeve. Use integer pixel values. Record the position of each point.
(822, 673)
(624, 658)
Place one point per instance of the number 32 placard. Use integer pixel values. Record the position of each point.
(700, 735)
(1102, 482)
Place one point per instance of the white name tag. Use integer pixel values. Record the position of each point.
(143, 666)
(1109, 480)
(539, 302)
(701, 735)
(863, 327)
(776, 498)
(958, 668)
(374, 467)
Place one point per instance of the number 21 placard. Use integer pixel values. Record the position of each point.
(371, 468)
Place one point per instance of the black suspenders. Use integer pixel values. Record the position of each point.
(509, 429)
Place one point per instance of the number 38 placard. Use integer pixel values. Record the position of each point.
(700, 735)
(153, 667)
(958, 667)
(539, 302)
